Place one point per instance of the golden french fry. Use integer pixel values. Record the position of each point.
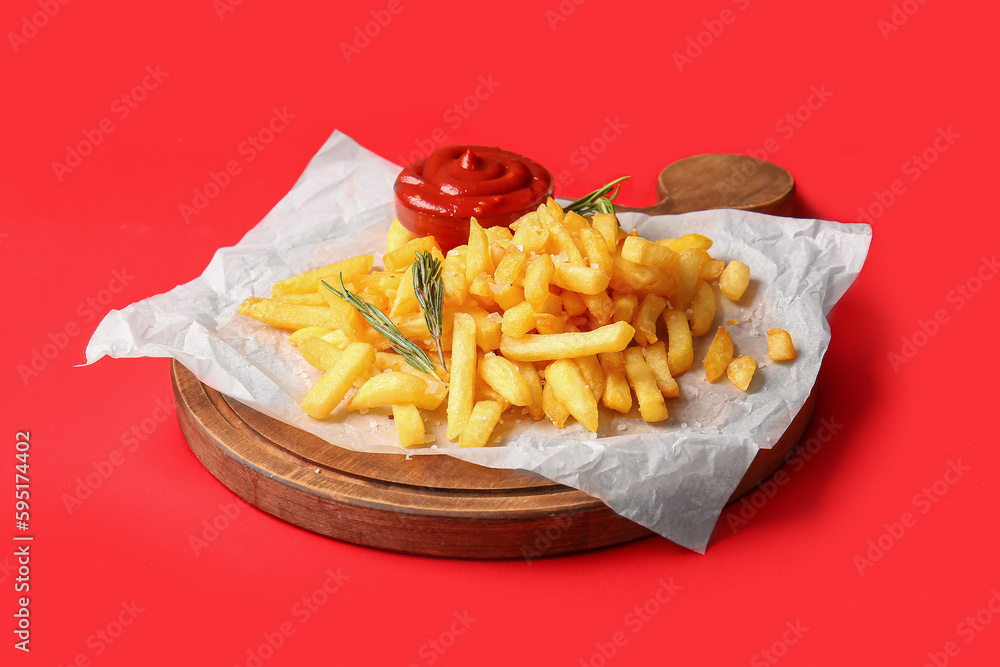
(482, 289)
(542, 347)
(289, 316)
(680, 350)
(547, 323)
(561, 242)
(555, 210)
(534, 382)
(462, 386)
(554, 410)
(651, 405)
(498, 234)
(319, 353)
(505, 378)
(573, 304)
(631, 276)
(537, 277)
(409, 424)
(640, 251)
(734, 280)
(517, 321)
(573, 221)
(329, 390)
(719, 354)
(453, 276)
(531, 234)
(710, 268)
(396, 362)
(779, 346)
(581, 279)
(625, 306)
(595, 249)
(509, 296)
(645, 320)
(307, 332)
(480, 424)
(600, 306)
(740, 371)
(590, 366)
(510, 268)
(403, 256)
(571, 389)
(406, 298)
(398, 236)
(606, 224)
(477, 257)
(303, 299)
(656, 359)
(484, 392)
(702, 309)
(686, 271)
(617, 394)
(688, 241)
(395, 387)
(309, 281)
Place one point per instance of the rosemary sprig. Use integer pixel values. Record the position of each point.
(410, 351)
(598, 201)
(429, 288)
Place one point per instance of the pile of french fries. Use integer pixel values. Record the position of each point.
(554, 316)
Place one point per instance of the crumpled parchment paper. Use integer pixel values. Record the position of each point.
(673, 477)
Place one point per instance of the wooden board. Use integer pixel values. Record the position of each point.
(437, 505)
(429, 505)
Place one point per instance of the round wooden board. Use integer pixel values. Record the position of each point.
(428, 505)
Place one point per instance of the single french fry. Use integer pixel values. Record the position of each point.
(646, 318)
(330, 389)
(554, 410)
(590, 366)
(719, 354)
(779, 346)
(304, 299)
(409, 424)
(482, 289)
(537, 278)
(505, 378)
(534, 382)
(531, 234)
(547, 323)
(606, 224)
(651, 404)
(595, 249)
(686, 271)
(307, 332)
(319, 353)
(640, 251)
(600, 306)
(617, 394)
(680, 349)
(542, 347)
(510, 268)
(398, 236)
(573, 304)
(631, 276)
(406, 298)
(517, 321)
(688, 241)
(580, 279)
(625, 306)
(478, 257)
(480, 424)
(740, 371)
(462, 385)
(702, 309)
(288, 316)
(734, 280)
(509, 296)
(656, 359)
(309, 281)
(561, 242)
(403, 256)
(571, 389)
(453, 276)
(395, 387)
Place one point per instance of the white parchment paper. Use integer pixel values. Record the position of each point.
(673, 477)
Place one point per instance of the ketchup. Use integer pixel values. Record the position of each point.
(437, 195)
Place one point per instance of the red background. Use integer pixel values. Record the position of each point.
(890, 88)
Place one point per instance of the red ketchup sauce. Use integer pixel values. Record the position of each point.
(437, 195)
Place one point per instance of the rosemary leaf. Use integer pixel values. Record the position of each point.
(429, 288)
(598, 201)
